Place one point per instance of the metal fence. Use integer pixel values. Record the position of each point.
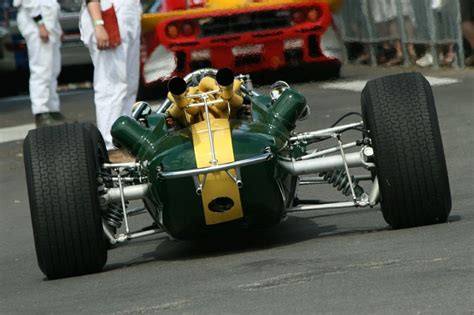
(435, 25)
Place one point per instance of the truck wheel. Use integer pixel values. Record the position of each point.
(61, 172)
(400, 115)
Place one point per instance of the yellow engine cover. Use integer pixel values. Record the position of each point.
(216, 185)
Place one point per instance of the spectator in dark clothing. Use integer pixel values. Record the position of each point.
(467, 16)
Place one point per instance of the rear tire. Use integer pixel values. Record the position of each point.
(400, 114)
(61, 164)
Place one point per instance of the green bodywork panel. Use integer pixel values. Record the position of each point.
(267, 190)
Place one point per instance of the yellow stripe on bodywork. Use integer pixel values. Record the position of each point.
(217, 184)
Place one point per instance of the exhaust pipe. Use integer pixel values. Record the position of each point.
(225, 79)
(178, 88)
(230, 88)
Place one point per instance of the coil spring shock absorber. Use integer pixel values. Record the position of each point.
(338, 178)
(111, 212)
(113, 215)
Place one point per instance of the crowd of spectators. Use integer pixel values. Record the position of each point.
(399, 30)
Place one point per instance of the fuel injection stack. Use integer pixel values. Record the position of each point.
(223, 92)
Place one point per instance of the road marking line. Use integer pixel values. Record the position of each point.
(279, 281)
(358, 85)
(435, 81)
(26, 97)
(15, 133)
(172, 306)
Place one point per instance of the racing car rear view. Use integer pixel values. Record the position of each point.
(180, 36)
(218, 157)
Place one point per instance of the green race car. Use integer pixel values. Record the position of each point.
(218, 157)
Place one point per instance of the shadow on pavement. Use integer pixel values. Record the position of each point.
(293, 230)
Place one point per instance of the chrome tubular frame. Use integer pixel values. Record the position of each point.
(121, 238)
(218, 168)
(120, 165)
(195, 173)
(124, 193)
(319, 161)
(213, 160)
(363, 201)
(334, 205)
(329, 132)
(316, 153)
(132, 192)
(312, 180)
(322, 164)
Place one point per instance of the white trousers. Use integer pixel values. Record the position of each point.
(44, 58)
(116, 71)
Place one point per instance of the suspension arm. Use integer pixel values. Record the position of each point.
(322, 164)
(133, 192)
(315, 135)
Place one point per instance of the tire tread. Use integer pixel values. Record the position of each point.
(400, 114)
(61, 179)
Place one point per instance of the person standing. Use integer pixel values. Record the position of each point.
(467, 17)
(385, 15)
(116, 68)
(38, 22)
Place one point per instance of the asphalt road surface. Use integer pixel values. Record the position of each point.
(339, 261)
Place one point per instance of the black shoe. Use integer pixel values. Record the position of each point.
(44, 120)
(57, 116)
(469, 61)
(49, 119)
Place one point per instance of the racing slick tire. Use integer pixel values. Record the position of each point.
(400, 115)
(61, 164)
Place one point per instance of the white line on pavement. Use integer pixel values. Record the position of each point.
(26, 97)
(358, 85)
(15, 133)
(19, 132)
(435, 81)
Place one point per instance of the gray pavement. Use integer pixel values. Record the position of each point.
(340, 262)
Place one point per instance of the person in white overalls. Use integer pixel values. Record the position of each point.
(116, 69)
(38, 22)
